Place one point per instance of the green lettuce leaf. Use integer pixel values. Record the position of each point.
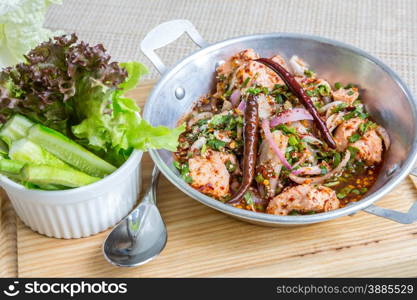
(21, 28)
(74, 88)
(112, 121)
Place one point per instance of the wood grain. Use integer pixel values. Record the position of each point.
(8, 238)
(203, 242)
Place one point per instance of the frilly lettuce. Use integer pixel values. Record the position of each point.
(73, 87)
(21, 28)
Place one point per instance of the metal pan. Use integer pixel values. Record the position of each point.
(385, 95)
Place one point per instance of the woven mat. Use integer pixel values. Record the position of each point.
(386, 29)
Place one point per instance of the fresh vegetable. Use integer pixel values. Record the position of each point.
(26, 151)
(21, 28)
(73, 87)
(292, 115)
(66, 119)
(69, 151)
(15, 128)
(41, 174)
(10, 167)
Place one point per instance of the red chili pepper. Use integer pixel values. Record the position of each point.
(250, 132)
(297, 90)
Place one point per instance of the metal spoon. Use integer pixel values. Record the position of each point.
(139, 237)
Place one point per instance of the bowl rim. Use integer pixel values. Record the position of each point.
(130, 163)
(259, 217)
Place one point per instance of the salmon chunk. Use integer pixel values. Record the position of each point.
(237, 60)
(346, 130)
(209, 173)
(370, 147)
(346, 95)
(303, 199)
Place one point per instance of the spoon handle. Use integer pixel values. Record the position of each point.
(150, 194)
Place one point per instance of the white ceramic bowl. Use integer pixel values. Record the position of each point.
(82, 211)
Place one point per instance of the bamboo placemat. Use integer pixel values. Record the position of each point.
(203, 242)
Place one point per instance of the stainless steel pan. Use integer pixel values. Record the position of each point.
(386, 96)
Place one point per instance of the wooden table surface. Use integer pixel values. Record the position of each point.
(203, 242)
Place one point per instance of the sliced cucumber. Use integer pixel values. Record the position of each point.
(27, 151)
(41, 175)
(8, 166)
(15, 128)
(69, 151)
(3, 148)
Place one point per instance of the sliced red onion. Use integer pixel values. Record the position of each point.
(198, 143)
(334, 120)
(275, 148)
(326, 107)
(234, 97)
(384, 135)
(242, 106)
(227, 106)
(314, 170)
(317, 180)
(198, 117)
(311, 140)
(295, 114)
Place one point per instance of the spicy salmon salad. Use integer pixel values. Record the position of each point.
(276, 138)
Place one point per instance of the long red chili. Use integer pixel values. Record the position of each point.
(295, 87)
(250, 136)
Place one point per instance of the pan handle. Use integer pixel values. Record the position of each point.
(165, 34)
(399, 217)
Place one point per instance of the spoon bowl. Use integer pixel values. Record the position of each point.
(139, 237)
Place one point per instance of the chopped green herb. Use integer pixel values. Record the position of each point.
(339, 107)
(341, 195)
(228, 93)
(245, 83)
(350, 93)
(287, 130)
(310, 93)
(177, 165)
(365, 126)
(324, 90)
(332, 183)
(248, 198)
(254, 91)
(279, 99)
(308, 73)
(202, 122)
(231, 167)
(187, 179)
(354, 137)
(203, 149)
(353, 151)
(323, 170)
(336, 159)
(216, 144)
(364, 190)
(259, 178)
(293, 213)
(355, 191)
(337, 85)
(292, 140)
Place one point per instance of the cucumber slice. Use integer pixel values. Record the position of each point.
(10, 167)
(3, 148)
(26, 151)
(41, 174)
(15, 128)
(69, 151)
